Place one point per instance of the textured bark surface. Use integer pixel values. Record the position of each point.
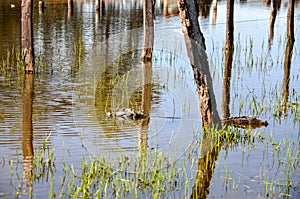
(229, 25)
(195, 44)
(148, 15)
(27, 34)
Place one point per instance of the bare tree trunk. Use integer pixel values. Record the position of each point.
(70, 8)
(27, 137)
(195, 44)
(215, 8)
(290, 21)
(166, 9)
(41, 6)
(148, 14)
(97, 5)
(27, 34)
(273, 14)
(229, 25)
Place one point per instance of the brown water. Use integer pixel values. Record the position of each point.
(89, 64)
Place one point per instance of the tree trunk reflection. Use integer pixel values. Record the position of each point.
(146, 102)
(286, 76)
(27, 137)
(226, 83)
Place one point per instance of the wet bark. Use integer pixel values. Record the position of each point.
(290, 21)
(273, 14)
(27, 34)
(229, 25)
(148, 17)
(27, 137)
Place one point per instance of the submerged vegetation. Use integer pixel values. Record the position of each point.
(95, 177)
(218, 162)
(274, 175)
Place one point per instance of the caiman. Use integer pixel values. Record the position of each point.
(244, 122)
(127, 114)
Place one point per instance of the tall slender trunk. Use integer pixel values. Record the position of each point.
(148, 17)
(195, 44)
(70, 8)
(41, 6)
(273, 14)
(97, 5)
(27, 34)
(290, 21)
(229, 25)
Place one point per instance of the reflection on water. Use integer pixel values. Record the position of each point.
(89, 63)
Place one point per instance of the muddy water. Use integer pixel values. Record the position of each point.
(89, 64)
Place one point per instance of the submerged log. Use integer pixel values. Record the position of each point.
(127, 114)
(244, 122)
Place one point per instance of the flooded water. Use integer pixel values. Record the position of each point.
(89, 63)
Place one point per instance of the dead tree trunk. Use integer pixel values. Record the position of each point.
(27, 34)
(70, 8)
(97, 5)
(41, 6)
(195, 44)
(148, 14)
(229, 25)
(290, 21)
(273, 14)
